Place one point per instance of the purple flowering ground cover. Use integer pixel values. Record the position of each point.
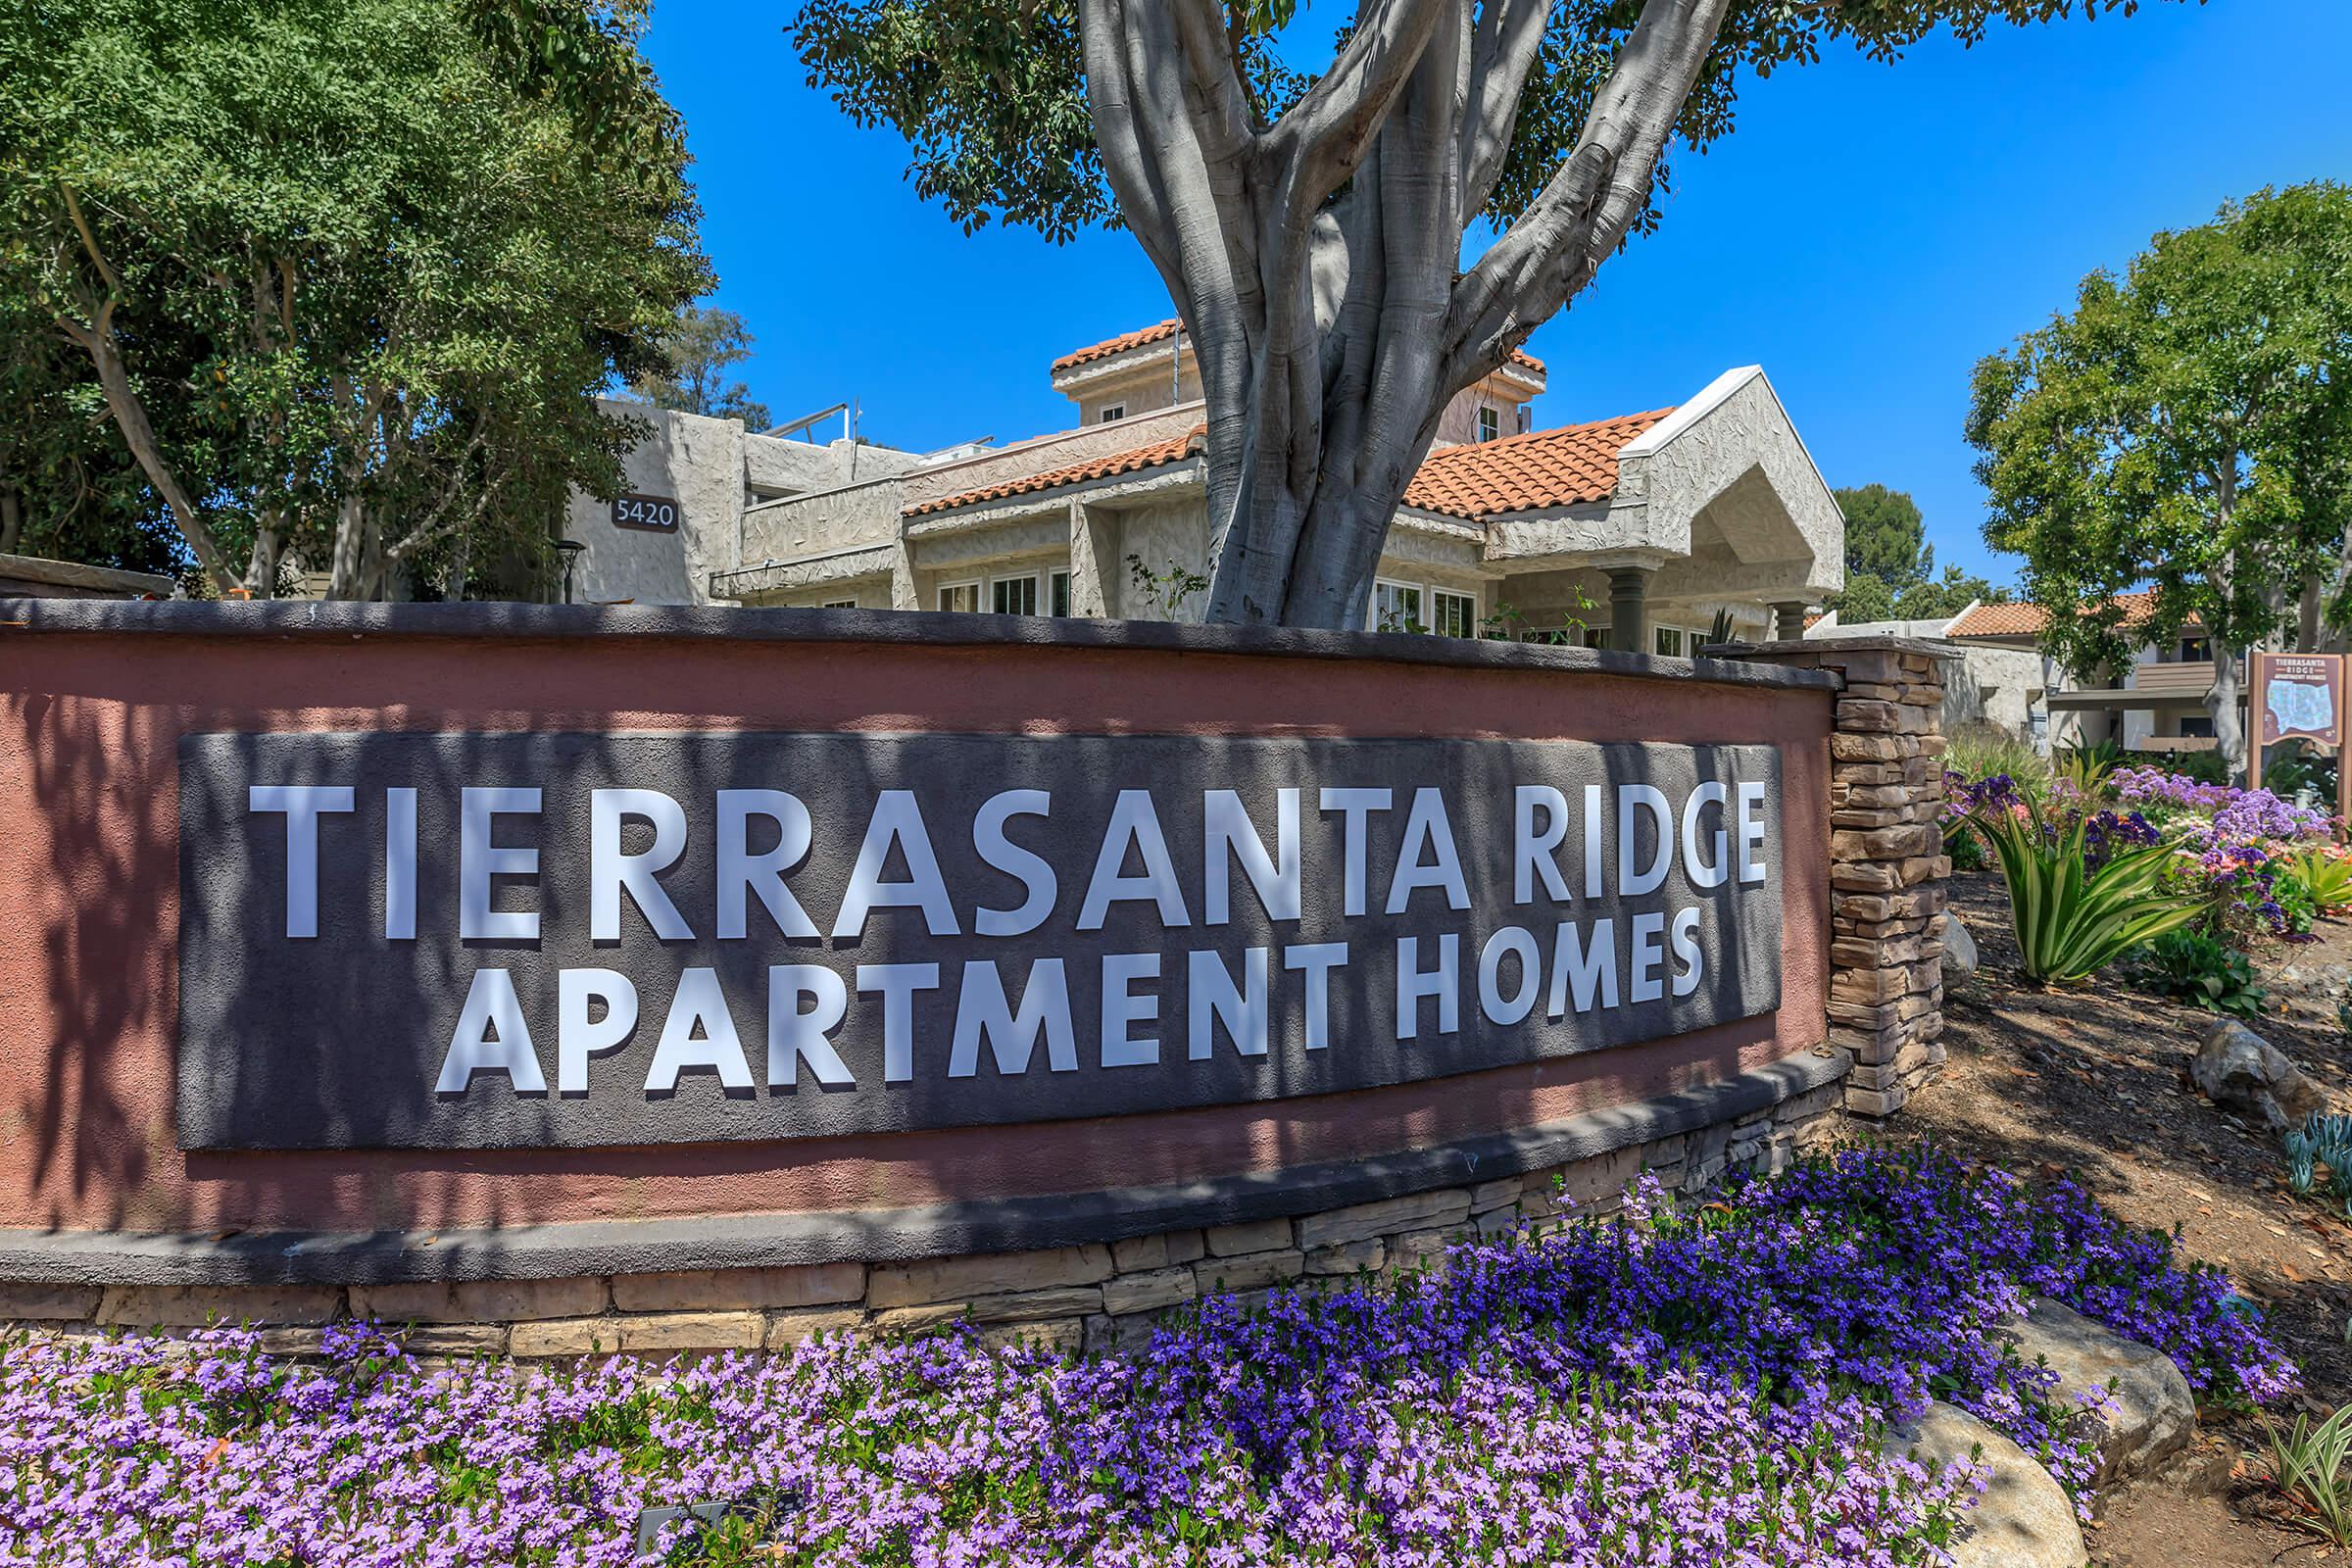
(1694, 1384)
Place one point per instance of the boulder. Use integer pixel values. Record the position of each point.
(2024, 1519)
(1959, 952)
(2147, 1419)
(2241, 1071)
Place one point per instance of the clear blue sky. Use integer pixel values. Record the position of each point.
(1865, 234)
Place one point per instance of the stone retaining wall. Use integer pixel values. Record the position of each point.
(1065, 1298)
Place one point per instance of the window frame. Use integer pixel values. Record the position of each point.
(975, 584)
(1111, 414)
(1436, 624)
(839, 604)
(1000, 580)
(1058, 596)
(1489, 424)
(1419, 591)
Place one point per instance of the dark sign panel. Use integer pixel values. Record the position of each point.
(495, 940)
(653, 513)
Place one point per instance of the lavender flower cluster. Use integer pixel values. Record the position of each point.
(2239, 816)
(1701, 1384)
(2104, 832)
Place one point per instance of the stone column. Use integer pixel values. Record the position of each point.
(1887, 869)
(1628, 621)
(1788, 620)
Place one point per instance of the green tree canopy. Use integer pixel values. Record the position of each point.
(2185, 429)
(1886, 537)
(1870, 598)
(342, 276)
(1309, 218)
(698, 351)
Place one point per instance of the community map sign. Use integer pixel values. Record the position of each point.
(525, 940)
(2300, 696)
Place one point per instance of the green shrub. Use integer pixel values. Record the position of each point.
(1982, 750)
(2197, 970)
(2071, 921)
(1967, 851)
(2304, 777)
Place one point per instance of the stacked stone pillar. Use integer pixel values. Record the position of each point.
(1888, 874)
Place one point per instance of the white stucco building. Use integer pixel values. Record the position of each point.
(1633, 532)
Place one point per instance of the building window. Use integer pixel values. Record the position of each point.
(1490, 422)
(841, 604)
(1110, 411)
(1013, 596)
(1397, 607)
(1453, 614)
(2196, 651)
(1596, 636)
(2198, 728)
(1669, 641)
(1059, 594)
(961, 595)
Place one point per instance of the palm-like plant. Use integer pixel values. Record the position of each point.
(2073, 920)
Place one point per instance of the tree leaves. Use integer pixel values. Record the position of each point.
(367, 262)
(2183, 430)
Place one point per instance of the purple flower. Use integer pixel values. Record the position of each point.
(1693, 1385)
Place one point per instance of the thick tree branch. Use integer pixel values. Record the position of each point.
(98, 340)
(1213, 80)
(1508, 42)
(1590, 202)
(1323, 138)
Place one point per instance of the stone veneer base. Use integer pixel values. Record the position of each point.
(1069, 1270)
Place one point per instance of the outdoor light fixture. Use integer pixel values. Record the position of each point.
(570, 549)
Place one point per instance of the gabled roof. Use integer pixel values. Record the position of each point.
(1542, 469)
(1133, 459)
(1162, 331)
(2028, 620)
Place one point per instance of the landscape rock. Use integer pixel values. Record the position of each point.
(2241, 1071)
(2023, 1520)
(1959, 952)
(2148, 1418)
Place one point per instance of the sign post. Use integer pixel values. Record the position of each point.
(2299, 696)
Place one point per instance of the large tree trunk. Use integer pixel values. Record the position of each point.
(1331, 332)
(2229, 728)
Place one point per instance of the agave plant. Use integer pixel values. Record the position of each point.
(2071, 920)
(2302, 1152)
(2326, 877)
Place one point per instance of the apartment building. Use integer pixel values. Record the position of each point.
(1647, 531)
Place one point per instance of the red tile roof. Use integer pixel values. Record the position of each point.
(2028, 620)
(1561, 468)
(1524, 472)
(1161, 331)
(1132, 460)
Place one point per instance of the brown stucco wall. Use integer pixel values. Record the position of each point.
(89, 721)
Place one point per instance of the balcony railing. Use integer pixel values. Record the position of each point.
(2193, 679)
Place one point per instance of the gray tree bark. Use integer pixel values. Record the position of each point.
(2228, 729)
(1330, 333)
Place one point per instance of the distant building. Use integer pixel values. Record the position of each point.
(2154, 704)
(1645, 528)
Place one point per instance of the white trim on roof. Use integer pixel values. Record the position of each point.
(1711, 397)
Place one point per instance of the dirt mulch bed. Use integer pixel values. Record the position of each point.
(2096, 1080)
